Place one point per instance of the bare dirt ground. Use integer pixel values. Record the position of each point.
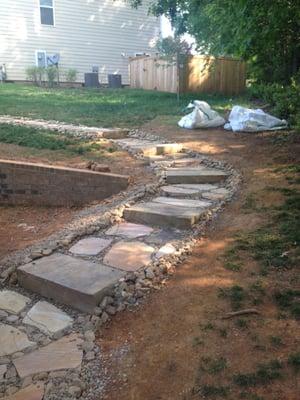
(177, 346)
(21, 226)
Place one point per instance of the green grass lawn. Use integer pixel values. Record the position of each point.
(100, 107)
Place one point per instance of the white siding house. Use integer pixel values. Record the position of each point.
(85, 33)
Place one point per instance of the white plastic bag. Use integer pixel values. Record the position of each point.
(201, 117)
(248, 120)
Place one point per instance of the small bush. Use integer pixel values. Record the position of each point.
(35, 74)
(294, 361)
(262, 376)
(71, 75)
(52, 75)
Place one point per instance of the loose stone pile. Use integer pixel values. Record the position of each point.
(49, 350)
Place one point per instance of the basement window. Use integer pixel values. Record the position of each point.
(47, 12)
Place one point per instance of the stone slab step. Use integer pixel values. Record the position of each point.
(182, 202)
(168, 148)
(178, 192)
(194, 175)
(163, 215)
(78, 283)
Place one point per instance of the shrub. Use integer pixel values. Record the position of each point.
(71, 75)
(284, 100)
(35, 74)
(52, 74)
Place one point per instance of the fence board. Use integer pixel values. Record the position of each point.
(198, 74)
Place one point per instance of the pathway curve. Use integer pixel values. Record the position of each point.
(47, 323)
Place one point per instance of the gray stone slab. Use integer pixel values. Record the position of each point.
(180, 193)
(129, 256)
(182, 202)
(129, 230)
(48, 318)
(90, 246)
(163, 215)
(194, 175)
(200, 187)
(61, 354)
(164, 236)
(12, 340)
(69, 280)
(31, 392)
(13, 302)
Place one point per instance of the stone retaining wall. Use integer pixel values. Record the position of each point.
(27, 183)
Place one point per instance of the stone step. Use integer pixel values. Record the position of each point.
(163, 215)
(186, 191)
(194, 175)
(68, 280)
(182, 202)
(149, 148)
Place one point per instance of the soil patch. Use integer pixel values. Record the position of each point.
(177, 346)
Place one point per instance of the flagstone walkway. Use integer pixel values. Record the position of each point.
(44, 346)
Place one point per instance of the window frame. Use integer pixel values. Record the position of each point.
(49, 7)
(36, 57)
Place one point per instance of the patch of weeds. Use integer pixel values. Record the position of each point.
(264, 374)
(258, 291)
(241, 323)
(250, 204)
(276, 341)
(216, 366)
(235, 294)
(233, 266)
(275, 245)
(250, 396)
(214, 391)
(208, 327)
(288, 300)
(294, 361)
(223, 333)
(197, 341)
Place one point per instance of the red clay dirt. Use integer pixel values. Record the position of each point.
(161, 351)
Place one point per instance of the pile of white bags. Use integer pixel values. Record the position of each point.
(240, 119)
(246, 120)
(201, 117)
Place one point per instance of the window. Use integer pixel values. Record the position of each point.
(41, 58)
(47, 12)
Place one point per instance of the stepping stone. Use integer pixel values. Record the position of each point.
(61, 354)
(90, 246)
(164, 236)
(3, 369)
(165, 250)
(213, 196)
(13, 302)
(47, 318)
(179, 192)
(12, 340)
(129, 256)
(115, 133)
(168, 148)
(79, 283)
(129, 230)
(194, 175)
(31, 392)
(200, 187)
(182, 202)
(163, 215)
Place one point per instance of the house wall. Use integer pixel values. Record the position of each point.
(103, 33)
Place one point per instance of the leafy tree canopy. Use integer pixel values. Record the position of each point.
(264, 33)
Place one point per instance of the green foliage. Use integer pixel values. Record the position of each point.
(235, 294)
(267, 37)
(171, 49)
(71, 75)
(294, 361)
(264, 374)
(101, 107)
(52, 75)
(288, 299)
(214, 391)
(35, 74)
(284, 101)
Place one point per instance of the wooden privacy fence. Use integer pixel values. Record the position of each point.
(197, 74)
